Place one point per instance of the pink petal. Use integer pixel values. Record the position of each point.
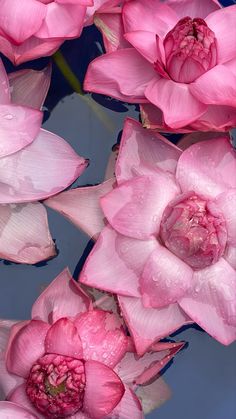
(140, 370)
(153, 395)
(222, 23)
(4, 86)
(20, 20)
(148, 325)
(36, 171)
(145, 43)
(149, 15)
(62, 298)
(212, 302)
(111, 27)
(20, 397)
(30, 49)
(135, 208)
(195, 137)
(227, 202)
(128, 76)
(10, 410)
(230, 255)
(102, 337)
(18, 127)
(216, 87)
(142, 150)
(208, 167)
(81, 206)
(7, 381)
(116, 262)
(165, 279)
(26, 347)
(103, 389)
(62, 338)
(167, 95)
(129, 407)
(62, 21)
(217, 118)
(193, 8)
(25, 236)
(30, 87)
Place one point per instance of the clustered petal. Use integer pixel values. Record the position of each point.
(172, 54)
(74, 360)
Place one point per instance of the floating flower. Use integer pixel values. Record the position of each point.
(167, 245)
(175, 58)
(74, 360)
(31, 29)
(30, 167)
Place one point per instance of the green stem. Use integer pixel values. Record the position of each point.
(67, 72)
(74, 82)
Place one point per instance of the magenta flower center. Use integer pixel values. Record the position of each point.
(190, 49)
(194, 230)
(56, 385)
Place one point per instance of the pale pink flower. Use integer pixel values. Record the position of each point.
(167, 244)
(74, 360)
(176, 59)
(30, 167)
(31, 29)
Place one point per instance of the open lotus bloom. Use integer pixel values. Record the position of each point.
(175, 58)
(76, 361)
(30, 167)
(31, 29)
(167, 242)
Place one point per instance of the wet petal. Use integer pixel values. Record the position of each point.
(30, 87)
(165, 279)
(135, 208)
(212, 302)
(24, 233)
(208, 167)
(82, 206)
(116, 262)
(35, 172)
(102, 337)
(62, 298)
(147, 325)
(62, 338)
(142, 151)
(19, 126)
(103, 389)
(26, 347)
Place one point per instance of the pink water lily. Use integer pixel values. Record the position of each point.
(176, 59)
(74, 360)
(167, 243)
(30, 167)
(34, 28)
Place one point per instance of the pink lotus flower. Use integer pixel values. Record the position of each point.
(31, 29)
(30, 167)
(175, 58)
(167, 245)
(73, 360)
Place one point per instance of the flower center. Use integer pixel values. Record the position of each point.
(194, 230)
(190, 49)
(56, 385)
